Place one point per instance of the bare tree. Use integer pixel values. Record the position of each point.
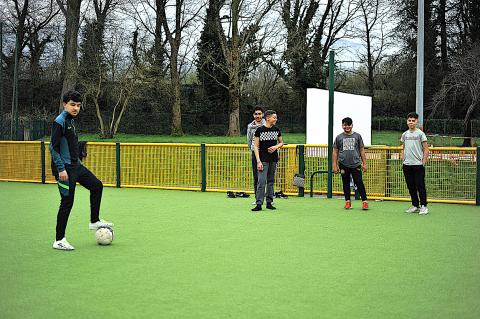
(374, 33)
(184, 15)
(245, 22)
(18, 22)
(117, 78)
(313, 27)
(125, 86)
(460, 89)
(262, 82)
(147, 13)
(39, 18)
(71, 12)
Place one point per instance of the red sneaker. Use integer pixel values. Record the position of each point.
(365, 205)
(348, 204)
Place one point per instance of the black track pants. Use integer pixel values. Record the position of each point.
(84, 177)
(415, 178)
(356, 174)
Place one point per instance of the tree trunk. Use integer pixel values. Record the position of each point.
(34, 75)
(100, 118)
(70, 48)
(234, 116)
(176, 107)
(370, 66)
(443, 35)
(158, 47)
(234, 76)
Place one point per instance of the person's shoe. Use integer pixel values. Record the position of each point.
(348, 204)
(62, 244)
(423, 210)
(100, 223)
(365, 205)
(242, 195)
(413, 209)
(270, 206)
(257, 208)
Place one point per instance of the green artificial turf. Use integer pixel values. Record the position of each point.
(181, 254)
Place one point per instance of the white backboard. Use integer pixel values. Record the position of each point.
(357, 107)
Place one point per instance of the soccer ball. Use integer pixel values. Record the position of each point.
(104, 235)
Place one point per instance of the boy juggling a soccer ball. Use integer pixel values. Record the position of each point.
(68, 170)
(267, 140)
(349, 159)
(415, 155)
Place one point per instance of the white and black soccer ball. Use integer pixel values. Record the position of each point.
(104, 235)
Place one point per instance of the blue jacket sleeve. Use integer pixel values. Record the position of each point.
(57, 134)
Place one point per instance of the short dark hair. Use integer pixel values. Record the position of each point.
(347, 121)
(73, 95)
(258, 108)
(269, 113)
(412, 115)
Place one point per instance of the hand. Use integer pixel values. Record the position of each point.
(259, 166)
(364, 167)
(272, 149)
(63, 176)
(335, 169)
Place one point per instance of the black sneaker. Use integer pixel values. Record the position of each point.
(257, 208)
(270, 206)
(231, 195)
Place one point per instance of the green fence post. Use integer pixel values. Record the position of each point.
(331, 89)
(117, 158)
(478, 177)
(387, 173)
(42, 154)
(203, 166)
(1, 71)
(301, 167)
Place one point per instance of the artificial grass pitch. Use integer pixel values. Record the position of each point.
(181, 254)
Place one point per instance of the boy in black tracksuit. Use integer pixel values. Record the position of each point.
(68, 170)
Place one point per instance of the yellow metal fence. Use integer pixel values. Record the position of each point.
(451, 172)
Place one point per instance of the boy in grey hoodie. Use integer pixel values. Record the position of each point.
(258, 121)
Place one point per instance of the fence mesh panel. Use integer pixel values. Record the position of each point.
(451, 172)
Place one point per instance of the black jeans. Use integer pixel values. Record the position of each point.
(356, 174)
(84, 177)
(255, 172)
(415, 178)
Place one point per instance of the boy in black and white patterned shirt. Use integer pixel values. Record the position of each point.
(268, 139)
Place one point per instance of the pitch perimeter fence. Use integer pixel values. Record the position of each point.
(453, 173)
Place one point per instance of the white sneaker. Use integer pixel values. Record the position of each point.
(412, 209)
(62, 244)
(423, 210)
(100, 223)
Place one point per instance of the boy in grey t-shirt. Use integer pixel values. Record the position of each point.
(349, 152)
(415, 155)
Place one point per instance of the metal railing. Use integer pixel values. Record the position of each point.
(452, 173)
